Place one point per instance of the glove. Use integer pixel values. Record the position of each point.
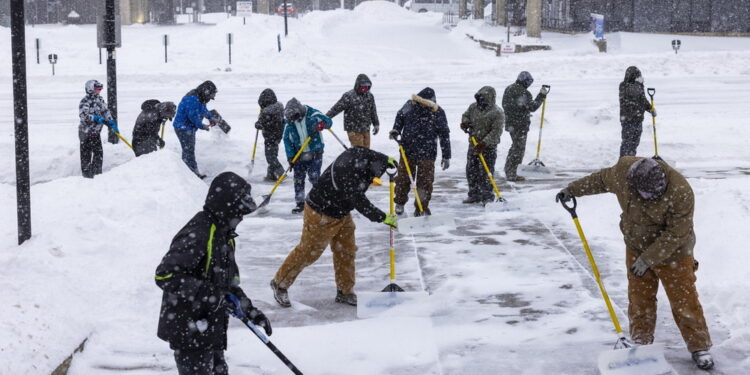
(653, 112)
(291, 162)
(544, 91)
(639, 268)
(481, 147)
(259, 319)
(98, 119)
(465, 126)
(375, 130)
(113, 125)
(234, 306)
(392, 163)
(206, 127)
(258, 126)
(563, 196)
(445, 163)
(161, 143)
(393, 134)
(390, 220)
(321, 126)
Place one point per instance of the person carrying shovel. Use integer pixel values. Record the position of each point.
(271, 123)
(483, 121)
(657, 206)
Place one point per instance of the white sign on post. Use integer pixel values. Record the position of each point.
(244, 8)
(508, 48)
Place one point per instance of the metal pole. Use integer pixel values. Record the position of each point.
(278, 40)
(38, 45)
(20, 106)
(109, 36)
(286, 26)
(166, 41)
(100, 56)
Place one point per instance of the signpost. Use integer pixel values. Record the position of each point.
(21, 120)
(244, 9)
(52, 60)
(507, 48)
(229, 42)
(38, 47)
(597, 28)
(166, 43)
(109, 38)
(676, 45)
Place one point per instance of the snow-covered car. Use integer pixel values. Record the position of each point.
(441, 6)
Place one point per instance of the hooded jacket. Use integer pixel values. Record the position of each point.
(271, 118)
(200, 269)
(342, 186)
(660, 231)
(518, 105)
(310, 119)
(633, 100)
(486, 123)
(92, 105)
(421, 122)
(146, 131)
(359, 109)
(192, 109)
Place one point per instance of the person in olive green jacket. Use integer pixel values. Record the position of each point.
(657, 206)
(483, 120)
(518, 106)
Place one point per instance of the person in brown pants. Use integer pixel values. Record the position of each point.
(418, 126)
(657, 206)
(328, 221)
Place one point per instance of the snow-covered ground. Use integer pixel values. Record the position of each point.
(508, 293)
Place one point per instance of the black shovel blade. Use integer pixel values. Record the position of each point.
(266, 199)
(393, 288)
(224, 127)
(537, 163)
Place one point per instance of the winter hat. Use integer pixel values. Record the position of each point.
(294, 110)
(91, 85)
(648, 178)
(525, 79)
(206, 91)
(427, 93)
(229, 197)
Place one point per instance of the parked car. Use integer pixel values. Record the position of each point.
(441, 6)
(291, 10)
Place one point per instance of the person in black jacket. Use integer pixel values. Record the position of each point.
(359, 110)
(328, 220)
(271, 123)
(633, 104)
(201, 281)
(146, 137)
(418, 124)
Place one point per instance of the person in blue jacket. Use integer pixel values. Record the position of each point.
(302, 122)
(189, 118)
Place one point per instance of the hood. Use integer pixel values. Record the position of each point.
(149, 105)
(362, 78)
(294, 110)
(166, 110)
(632, 74)
(487, 95)
(525, 79)
(361, 162)
(266, 98)
(205, 92)
(229, 197)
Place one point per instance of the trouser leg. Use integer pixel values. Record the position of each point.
(317, 232)
(425, 178)
(313, 170)
(187, 142)
(200, 362)
(97, 155)
(641, 302)
(359, 139)
(300, 172)
(344, 248)
(631, 137)
(275, 169)
(515, 154)
(86, 156)
(403, 183)
(485, 189)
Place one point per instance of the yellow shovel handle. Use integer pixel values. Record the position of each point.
(541, 125)
(487, 170)
(653, 122)
(163, 124)
(411, 177)
(255, 144)
(391, 194)
(283, 176)
(124, 140)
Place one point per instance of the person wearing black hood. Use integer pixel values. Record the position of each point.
(419, 123)
(189, 118)
(328, 221)
(359, 110)
(153, 114)
(518, 105)
(633, 104)
(201, 280)
(271, 123)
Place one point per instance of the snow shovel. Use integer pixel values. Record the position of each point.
(163, 124)
(423, 223)
(651, 93)
(370, 304)
(121, 137)
(262, 336)
(627, 358)
(252, 159)
(501, 204)
(339, 139)
(267, 197)
(537, 166)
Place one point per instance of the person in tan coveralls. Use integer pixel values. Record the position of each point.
(328, 221)
(657, 224)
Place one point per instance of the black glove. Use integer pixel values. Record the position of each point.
(259, 319)
(161, 143)
(465, 126)
(393, 134)
(258, 126)
(563, 196)
(481, 147)
(375, 129)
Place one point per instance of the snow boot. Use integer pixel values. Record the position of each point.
(347, 298)
(270, 178)
(471, 200)
(703, 359)
(299, 208)
(515, 178)
(426, 212)
(399, 209)
(280, 295)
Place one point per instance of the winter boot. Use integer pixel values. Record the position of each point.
(399, 209)
(471, 200)
(280, 295)
(426, 212)
(703, 359)
(270, 178)
(515, 178)
(347, 298)
(299, 208)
